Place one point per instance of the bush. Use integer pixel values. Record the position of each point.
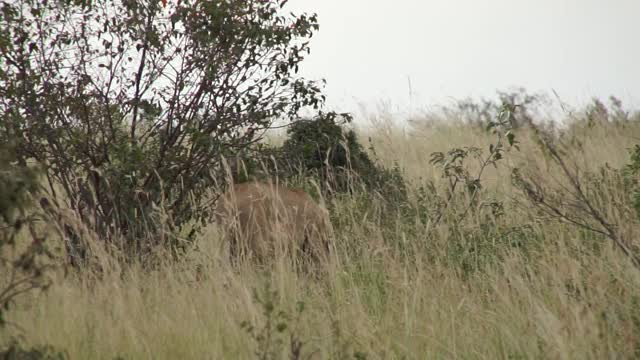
(130, 105)
(322, 147)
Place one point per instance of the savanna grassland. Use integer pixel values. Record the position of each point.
(451, 273)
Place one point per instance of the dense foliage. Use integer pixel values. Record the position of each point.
(129, 105)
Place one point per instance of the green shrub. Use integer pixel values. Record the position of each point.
(131, 142)
(324, 148)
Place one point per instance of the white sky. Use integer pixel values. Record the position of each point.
(450, 49)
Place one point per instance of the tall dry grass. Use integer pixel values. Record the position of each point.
(518, 287)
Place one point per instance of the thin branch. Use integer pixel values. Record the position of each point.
(143, 59)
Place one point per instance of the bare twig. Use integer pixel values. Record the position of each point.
(606, 228)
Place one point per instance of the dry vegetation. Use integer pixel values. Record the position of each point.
(515, 285)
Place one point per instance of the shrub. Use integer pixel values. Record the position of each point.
(322, 147)
(129, 105)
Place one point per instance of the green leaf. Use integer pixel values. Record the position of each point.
(281, 327)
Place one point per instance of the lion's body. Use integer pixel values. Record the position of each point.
(262, 220)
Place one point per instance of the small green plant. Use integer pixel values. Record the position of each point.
(454, 166)
(343, 348)
(478, 240)
(279, 333)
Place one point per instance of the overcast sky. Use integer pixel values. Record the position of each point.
(450, 49)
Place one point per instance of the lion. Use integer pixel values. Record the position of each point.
(263, 220)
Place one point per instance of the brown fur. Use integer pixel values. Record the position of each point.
(263, 220)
